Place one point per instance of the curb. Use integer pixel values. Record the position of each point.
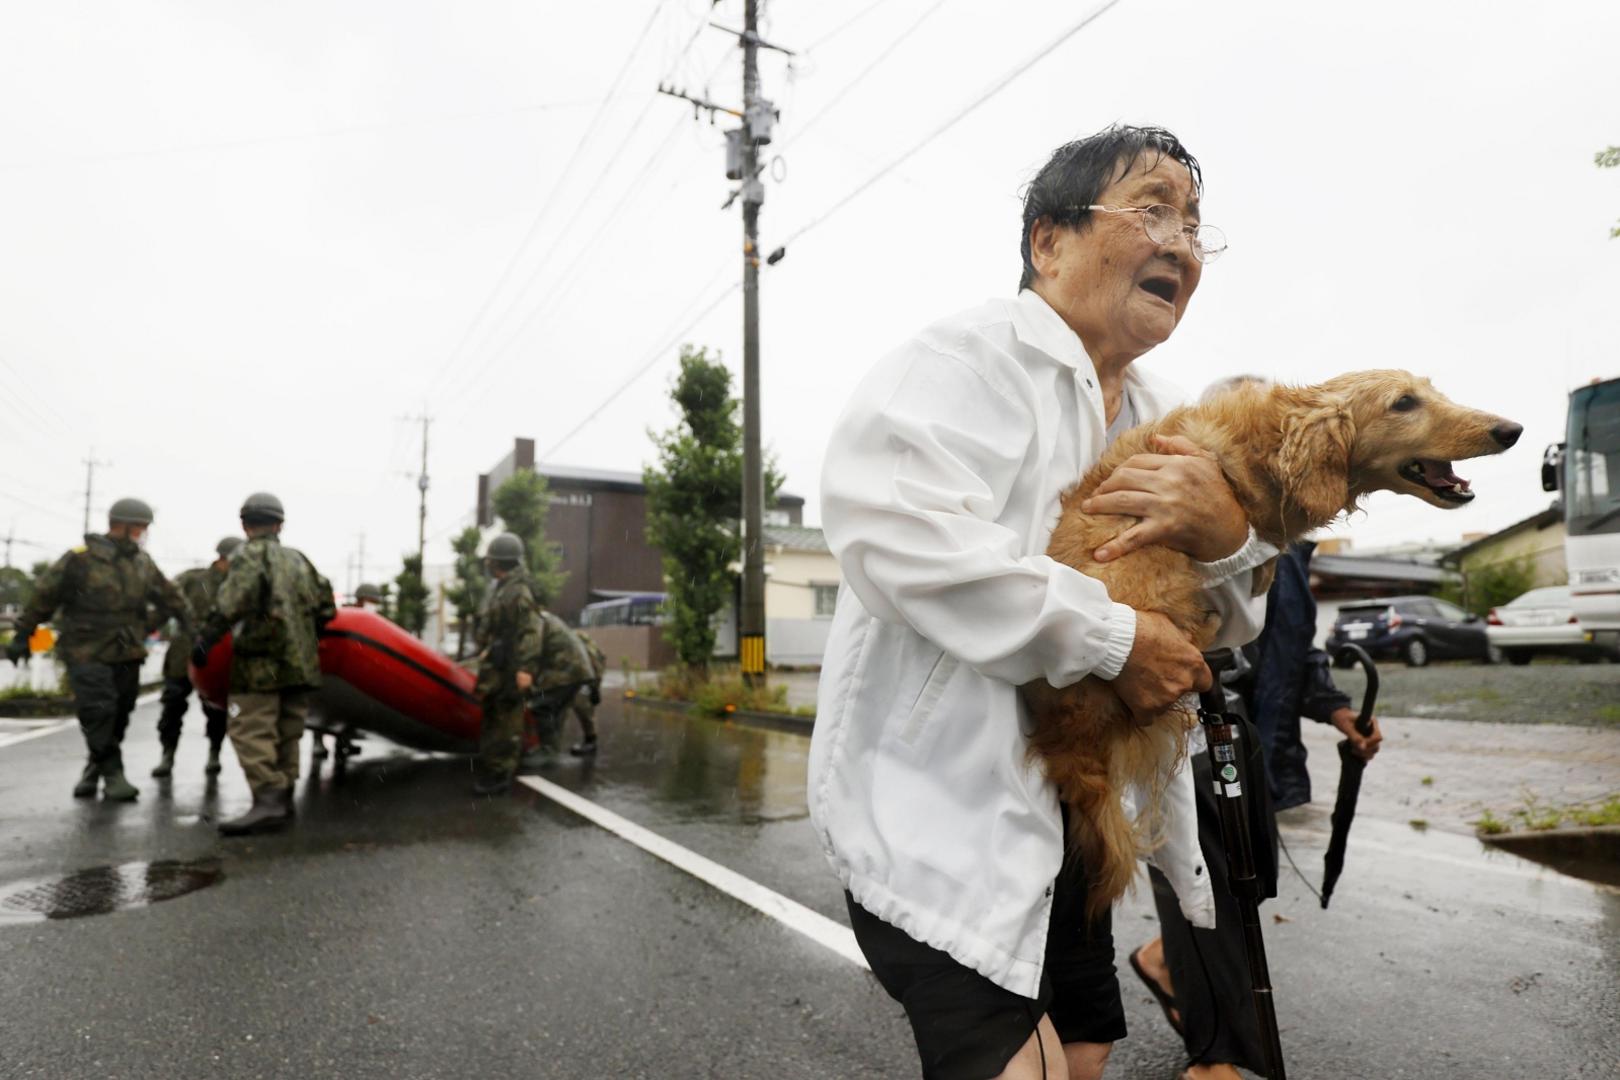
(1591, 852)
(788, 722)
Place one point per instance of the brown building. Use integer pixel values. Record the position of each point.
(598, 518)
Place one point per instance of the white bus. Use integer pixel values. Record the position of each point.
(1587, 467)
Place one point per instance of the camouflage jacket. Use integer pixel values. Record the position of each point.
(199, 587)
(104, 590)
(274, 602)
(598, 657)
(509, 634)
(564, 660)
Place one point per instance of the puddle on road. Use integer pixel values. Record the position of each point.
(104, 889)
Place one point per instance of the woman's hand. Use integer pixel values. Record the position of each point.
(1162, 667)
(1364, 747)
(1180, 498)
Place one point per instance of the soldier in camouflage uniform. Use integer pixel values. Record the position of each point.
(104, 590)
(278, 602)
(509, 662)
(565, 669)
(198, 587)
(588, 698)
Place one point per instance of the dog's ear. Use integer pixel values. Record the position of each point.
(1313, 461)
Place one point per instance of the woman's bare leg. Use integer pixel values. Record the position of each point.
(1028, 1063)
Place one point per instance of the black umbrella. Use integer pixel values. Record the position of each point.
(1350, 769)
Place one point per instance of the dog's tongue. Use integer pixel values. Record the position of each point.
(1439, 474)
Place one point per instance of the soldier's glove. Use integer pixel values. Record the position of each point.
(17, 649)
(200, 650)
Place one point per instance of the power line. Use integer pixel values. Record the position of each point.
(292, 136)
(36, 506)
(653, 358)
(863, 12)
(545, 204)
(995, 88)
(871, 67)
(554, 297)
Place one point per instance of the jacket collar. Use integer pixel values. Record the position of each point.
(1040, 327)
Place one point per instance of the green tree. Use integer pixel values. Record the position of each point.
(472, 585)
(694, 503)
(410, 606)
(1485, 585)
(522, 503)
(1609, 158)
(15, 586)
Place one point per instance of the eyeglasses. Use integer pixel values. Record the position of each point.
(1164, 225)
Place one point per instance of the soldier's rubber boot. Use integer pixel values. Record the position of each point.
(89, 781)
(212, 768)
(492, 785)
(585, 747)
(267, 814)
(114, 788)
(287, 802)
(165, 765)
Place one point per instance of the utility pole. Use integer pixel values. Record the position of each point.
(422, 486)
(742, 163)
(90, 464)
(11, 534)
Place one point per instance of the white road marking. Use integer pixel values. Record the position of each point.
(51, 727)
(48, 729)
(792, 914)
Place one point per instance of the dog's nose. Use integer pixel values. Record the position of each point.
(1507, 433)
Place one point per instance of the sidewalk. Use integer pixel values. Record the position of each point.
(1471, 765)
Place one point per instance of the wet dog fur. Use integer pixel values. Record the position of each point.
(1295, 458)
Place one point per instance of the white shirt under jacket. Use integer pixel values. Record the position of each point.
(939, 493)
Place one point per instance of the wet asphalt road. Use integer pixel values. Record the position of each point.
(405, 929)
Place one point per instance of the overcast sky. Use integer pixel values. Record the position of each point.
(239, 242)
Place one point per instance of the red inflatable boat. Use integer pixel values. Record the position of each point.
(376, 678)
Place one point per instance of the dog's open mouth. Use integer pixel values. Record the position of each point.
(1438, 478)
(1164, 288)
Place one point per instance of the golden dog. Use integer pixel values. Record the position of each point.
(1295, 457)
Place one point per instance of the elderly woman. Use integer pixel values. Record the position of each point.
(939, 493)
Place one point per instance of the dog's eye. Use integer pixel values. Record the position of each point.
(1405, 403)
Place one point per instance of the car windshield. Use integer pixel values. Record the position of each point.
(1351, 614)
(1548, 596)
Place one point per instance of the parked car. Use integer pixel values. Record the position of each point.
(1416, 629)
(1543, 622)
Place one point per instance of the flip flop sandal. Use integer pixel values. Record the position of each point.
(1166, 1002)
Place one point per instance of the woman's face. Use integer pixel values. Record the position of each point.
(1117, 288)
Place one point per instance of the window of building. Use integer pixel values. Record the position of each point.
(826, 600)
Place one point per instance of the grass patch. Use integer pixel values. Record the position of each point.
(720, 692)
(27, 693)
(1536, 816)
(1427, 781)
(1420, 824)
(1609, 714)
(1606, 812)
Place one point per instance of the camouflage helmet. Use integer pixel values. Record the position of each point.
(368, 591)
(263, 508)
(227, 547)
(505, 550)
(130, 512)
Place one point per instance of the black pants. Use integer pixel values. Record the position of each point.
(104, 695)
(1210, 968)
(176, 689)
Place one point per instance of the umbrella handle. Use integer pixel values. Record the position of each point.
(1370, 698)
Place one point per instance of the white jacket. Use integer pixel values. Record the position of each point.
(939, 493)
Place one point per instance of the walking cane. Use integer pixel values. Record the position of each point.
(1226, 763)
